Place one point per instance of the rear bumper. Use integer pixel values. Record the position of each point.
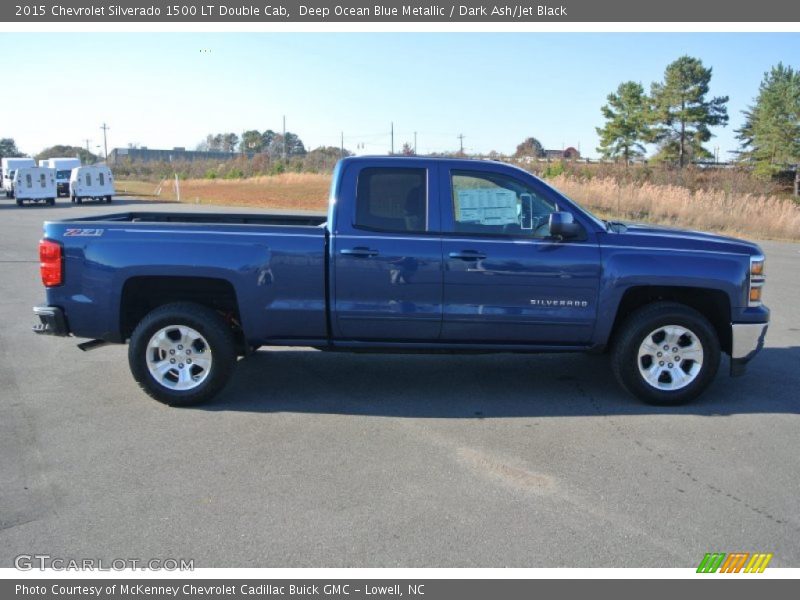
(51, 321)
(747, 340)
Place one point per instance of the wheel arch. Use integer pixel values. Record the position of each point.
(142, 294)
(712, 303)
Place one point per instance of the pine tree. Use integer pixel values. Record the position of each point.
(681, 113)
(770, 135)
(626, 128)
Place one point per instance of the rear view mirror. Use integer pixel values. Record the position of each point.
(562, 224)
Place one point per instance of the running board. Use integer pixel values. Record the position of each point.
(91, 345)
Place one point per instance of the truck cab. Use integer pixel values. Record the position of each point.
(63, 167)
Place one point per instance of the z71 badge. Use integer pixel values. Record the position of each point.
(83, 232)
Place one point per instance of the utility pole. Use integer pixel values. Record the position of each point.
(284, 138)
(105, 128)
(415, 143)
(461, 142)
(392, 133)
(87, 140)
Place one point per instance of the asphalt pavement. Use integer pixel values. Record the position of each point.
(312, 459)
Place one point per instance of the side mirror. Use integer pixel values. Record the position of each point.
(562, 224)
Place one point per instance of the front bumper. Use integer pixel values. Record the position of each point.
(747, 340)
(51, 321)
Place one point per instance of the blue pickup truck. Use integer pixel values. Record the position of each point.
(415, 255)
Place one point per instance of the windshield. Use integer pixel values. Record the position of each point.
(63, 174)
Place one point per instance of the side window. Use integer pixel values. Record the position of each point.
(392, 199)
(488, 203)
(101, 178)
(28, 180)
(88, 179)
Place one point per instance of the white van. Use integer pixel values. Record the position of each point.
(63, 167)
(35, 184)
(94, 182)
(7, 168)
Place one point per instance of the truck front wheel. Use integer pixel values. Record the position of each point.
(666, 354)
(182, 354)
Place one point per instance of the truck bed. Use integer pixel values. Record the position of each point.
(272, 265)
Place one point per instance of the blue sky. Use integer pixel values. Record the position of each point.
(165, 90)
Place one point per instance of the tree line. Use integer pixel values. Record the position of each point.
(8, 149)
(276, 145)
(677, 116)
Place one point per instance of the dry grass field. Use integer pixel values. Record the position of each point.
(744, 215)
(738, 214)
(299, 191)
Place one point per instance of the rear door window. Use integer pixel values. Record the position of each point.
(392, 199)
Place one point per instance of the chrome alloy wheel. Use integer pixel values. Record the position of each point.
(178, 357)
(670, 357)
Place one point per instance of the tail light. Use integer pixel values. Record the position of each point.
(51, 263)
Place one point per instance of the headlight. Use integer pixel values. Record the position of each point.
(756, 278)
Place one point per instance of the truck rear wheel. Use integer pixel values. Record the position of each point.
(666, 354)
(182, 354)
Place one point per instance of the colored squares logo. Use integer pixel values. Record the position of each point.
(735, 562)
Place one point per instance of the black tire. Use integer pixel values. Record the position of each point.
(72, 198)
(625, 360)
(78, 199)
(19, 202)
(51, 201)
(220, 345)
(108, 199)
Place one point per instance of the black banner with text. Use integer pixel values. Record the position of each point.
(320, 11)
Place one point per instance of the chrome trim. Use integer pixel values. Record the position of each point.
(747, 339)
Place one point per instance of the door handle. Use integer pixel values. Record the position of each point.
(468, 255)
(360, 252)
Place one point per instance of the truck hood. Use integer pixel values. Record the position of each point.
(645, 235)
